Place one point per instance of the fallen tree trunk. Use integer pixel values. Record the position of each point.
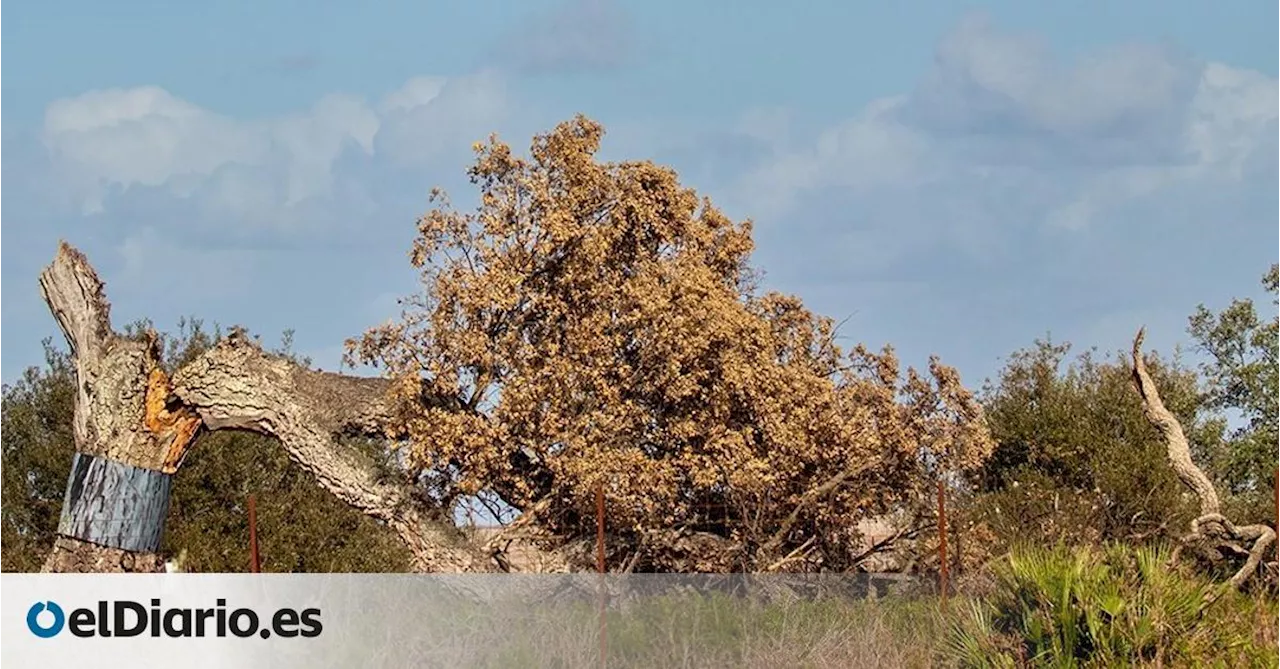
(133, 426)
(1211, 525)
(237, 385)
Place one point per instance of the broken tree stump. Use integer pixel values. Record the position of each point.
(129, 436)
(134, 425)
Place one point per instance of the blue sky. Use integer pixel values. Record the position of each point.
(955, 178)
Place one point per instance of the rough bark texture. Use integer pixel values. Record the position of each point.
(76, 556)
(121, 412)
(238, 385)
(129, 413)
(1211, 526)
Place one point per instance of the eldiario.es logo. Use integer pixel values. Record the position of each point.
(124, 618)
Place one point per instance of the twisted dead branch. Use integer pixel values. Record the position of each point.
(1211, 526)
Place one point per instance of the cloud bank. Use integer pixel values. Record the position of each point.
(1002, 193)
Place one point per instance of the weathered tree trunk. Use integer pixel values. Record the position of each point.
(237, 385)
(1211, 525)
(133, 426)
(129, 440)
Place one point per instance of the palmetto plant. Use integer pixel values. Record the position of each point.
(1060, 607)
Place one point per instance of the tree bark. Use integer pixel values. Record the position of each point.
(124, 431)
(133, 426)
(1211, 525)
(238, 385)
(112, 504)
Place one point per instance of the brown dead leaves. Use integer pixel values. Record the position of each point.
(597, 323)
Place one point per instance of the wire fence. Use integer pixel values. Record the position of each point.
(935, 537)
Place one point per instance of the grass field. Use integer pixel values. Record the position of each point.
(1042, 608)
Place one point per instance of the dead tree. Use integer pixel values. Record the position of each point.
(1210, 526)
(134, 425)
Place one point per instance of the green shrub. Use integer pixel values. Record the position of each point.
(1117, 606)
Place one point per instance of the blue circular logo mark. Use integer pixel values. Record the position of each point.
(33, 619)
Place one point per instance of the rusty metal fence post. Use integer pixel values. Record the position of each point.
(942, 542)
(255, 563)
(600, 569)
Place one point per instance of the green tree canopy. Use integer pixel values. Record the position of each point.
(1076, 459)
(1241, 376)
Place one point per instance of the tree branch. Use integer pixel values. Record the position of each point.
(239, 386)
(1179, 453)
(129, 412)
(122, 425)
(75, 296)
(813, 495)
(1167, 425)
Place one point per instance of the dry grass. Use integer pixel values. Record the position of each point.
(710, 628)
(703, 633)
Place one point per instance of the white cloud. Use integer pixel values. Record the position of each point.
(982, 75)
(313, 142)
(1233, 119)
(998, 113)
(417, 92)
(141, 136)
(1228, 134)
(871, 150)
(428, 116)
(104, 143)
(958, 214)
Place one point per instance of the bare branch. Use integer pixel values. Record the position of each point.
(1224, 533)
(1167, 424)
(238, 385)
(1261, 536)
(73, 291)
(809, 498)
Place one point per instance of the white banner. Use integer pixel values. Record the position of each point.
(167, 620)
(313, 621)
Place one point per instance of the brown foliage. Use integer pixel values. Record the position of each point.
(597, 323)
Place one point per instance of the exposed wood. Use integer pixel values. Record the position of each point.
(815, 494)
(119, 400)
(176, 425)
(71, 556)
(238, 385)
(1211, 526)
(1179, 451)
